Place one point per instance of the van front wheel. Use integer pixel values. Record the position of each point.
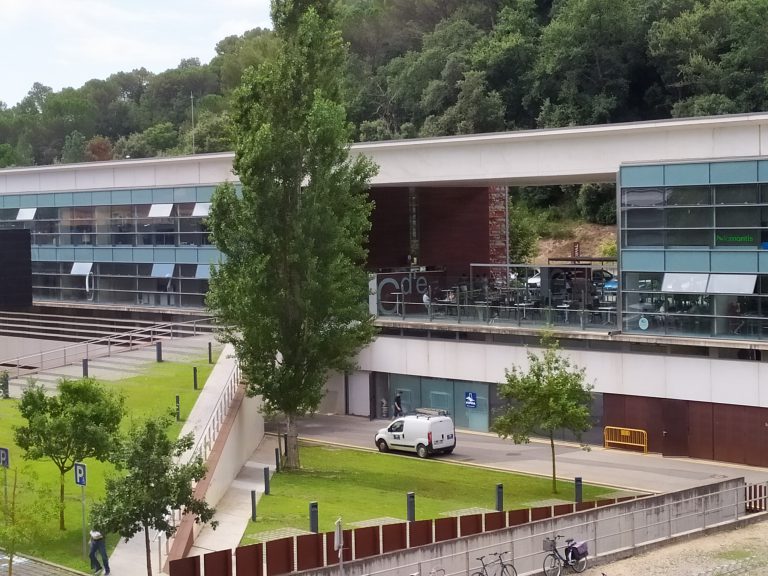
(382, 445)
(421, 451)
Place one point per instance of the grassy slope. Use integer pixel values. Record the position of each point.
(151, 393)
(360, 485)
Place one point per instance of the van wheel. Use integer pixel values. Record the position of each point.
(382, 445)
(421, 451)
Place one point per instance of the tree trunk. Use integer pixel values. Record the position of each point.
(292, 446)
(61, 501)
(146, 546)
(554, 475)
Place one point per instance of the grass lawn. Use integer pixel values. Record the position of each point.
(151, 393)
(360, 485)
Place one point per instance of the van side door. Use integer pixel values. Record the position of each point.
(396, 434)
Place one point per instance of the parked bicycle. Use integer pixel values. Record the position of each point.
(506, 566)
(574, 556)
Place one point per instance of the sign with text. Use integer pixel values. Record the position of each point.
(470, 399)
(80, 474)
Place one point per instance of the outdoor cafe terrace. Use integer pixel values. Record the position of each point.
(566, 297)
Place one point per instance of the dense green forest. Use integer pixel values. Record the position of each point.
(430, 68)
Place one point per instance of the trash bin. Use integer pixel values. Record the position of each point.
(384, 409)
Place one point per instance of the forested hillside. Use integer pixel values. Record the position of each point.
(436, 67)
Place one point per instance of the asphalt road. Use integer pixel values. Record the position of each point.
(622, 469)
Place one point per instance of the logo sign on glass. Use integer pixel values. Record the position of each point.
(470, 399)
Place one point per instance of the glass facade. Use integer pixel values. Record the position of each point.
(693, 250)
(449, 395)
(129, 247)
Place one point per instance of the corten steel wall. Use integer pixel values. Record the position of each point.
(454, 544)
(454, 227)
(388, 241)
(723, 432)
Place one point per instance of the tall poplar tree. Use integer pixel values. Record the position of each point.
(291, 290)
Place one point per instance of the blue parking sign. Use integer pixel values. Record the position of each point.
(80, 474)
(470, 399)
(5, 458)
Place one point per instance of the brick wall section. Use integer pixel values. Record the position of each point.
(497, 225)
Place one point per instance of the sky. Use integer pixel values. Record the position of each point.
(62, 43)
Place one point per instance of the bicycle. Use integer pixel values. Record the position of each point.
(554, 561)
(507, 568)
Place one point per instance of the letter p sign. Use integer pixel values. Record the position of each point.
(79, 473)
(5, 461)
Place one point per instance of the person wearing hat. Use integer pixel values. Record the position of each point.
(98, 545)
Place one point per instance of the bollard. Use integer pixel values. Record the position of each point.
(210, 354)
(578, 489)
(178, 408)
(159, 351)
(253, 505)
(194, 377)
(313, 517)
(266, 480)
(499, 497)
(277, 459)
(85, 367)
(410, 506)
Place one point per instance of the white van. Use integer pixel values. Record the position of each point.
(421, 433)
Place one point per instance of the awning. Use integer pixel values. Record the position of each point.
(81, 268)
(162, 270)
(203, 271)
(26, 214)
(160, 210)
(731, 283)
(693, 283)
(201, 209)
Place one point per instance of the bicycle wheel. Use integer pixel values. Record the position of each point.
(508, 569)
(580, 565)
(552, 565)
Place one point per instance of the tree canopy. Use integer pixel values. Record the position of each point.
(550, 395)
(437, 67)
(151, 483)
(292, 291)
(81, 422)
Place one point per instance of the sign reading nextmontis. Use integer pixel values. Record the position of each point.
(740, 239)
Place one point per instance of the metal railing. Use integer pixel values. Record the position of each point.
(629, 527)
(103, 346)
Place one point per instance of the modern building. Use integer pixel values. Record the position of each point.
(676, 350)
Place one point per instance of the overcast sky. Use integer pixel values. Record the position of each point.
(63, 43)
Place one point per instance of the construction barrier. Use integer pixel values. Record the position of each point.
(614, 435)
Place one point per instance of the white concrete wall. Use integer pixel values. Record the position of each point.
(560, 155)
(685, 378)
(333, 401)
(359, 394)
(245, 436)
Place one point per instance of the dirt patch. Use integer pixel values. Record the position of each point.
(589, 237)
(739, 551)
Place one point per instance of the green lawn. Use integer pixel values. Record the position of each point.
(359, 485)
(150, 393)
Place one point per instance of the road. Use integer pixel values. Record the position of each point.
(622, 469)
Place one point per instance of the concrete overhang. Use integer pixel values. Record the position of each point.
(527, 157)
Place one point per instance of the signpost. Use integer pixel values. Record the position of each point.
(5, 462)
(338, 544)
(80, 480)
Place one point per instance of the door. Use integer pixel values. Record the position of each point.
(675, 427)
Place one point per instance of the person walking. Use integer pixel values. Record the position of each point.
(98, 546)
(398, 408)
